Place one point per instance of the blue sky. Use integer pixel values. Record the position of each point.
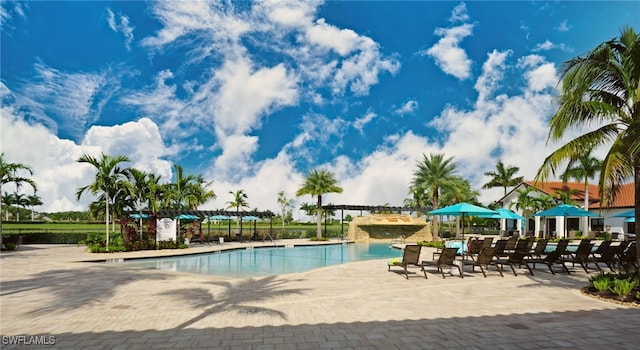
(252, 95)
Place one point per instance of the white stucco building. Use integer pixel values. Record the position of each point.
(562, 226)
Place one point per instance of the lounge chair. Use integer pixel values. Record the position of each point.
(539, 250)
(410, 257)
(511, 244)
(583, 257)
(515, 258)
(445, 260)
(473, 248)
(628, 260)
(486, 259)
(609, 255)
(553, 258)
(500, 245)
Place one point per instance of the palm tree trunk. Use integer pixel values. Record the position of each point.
(586, 219)
(636, 171)
(319, 219)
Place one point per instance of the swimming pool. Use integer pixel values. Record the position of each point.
(258, 262)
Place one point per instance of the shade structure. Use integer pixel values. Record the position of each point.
(503, 213)
(250, 218)
(186, 217)
(565, 210)
(463, 209)
(631, 219)
(219, 217)
(626, 214)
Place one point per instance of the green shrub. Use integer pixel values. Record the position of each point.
(318, 239)
(438, 244)
(623, 287)
(9, 246)
(601, 282)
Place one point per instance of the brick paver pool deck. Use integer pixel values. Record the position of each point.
(50, 295)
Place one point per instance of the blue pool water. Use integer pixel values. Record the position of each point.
(270, 261)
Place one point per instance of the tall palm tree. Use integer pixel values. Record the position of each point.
(433, 173)
(601, 88)
(503, 177)
(110, 180)
(317, 183)
(582, 168)
(12, 173)
(21, 201)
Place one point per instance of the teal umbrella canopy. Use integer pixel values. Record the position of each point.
(631, 219)
(219, 217)
(565, 210)
(626, 214)
(250, 218)
(186, 217)
(503, 213)
(138, 216)
(463, 209)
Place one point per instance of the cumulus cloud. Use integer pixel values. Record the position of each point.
(447, 53)
(53, 160)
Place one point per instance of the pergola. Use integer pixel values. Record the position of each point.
(172, 213)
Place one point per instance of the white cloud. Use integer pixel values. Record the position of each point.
(409, 107)
(492, 73)
(459, 13)
(547, 45)
(447, 53)
(74, 98)
(53, 160)
(360, 122)
(563, 26)
(540, 75)
(123, 26)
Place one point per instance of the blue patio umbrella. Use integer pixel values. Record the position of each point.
(463, 209)
(186, 217)
(626, 214)
(631, 219)
(250, 218)
(565, 210)
(219, 217)
(503, 213)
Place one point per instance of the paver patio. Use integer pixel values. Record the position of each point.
(47, 290)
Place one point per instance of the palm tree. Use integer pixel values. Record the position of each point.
(417, 200)
(239, 201)
(110, 180)
(601, 88)
(582, 168)
(11, 173)
(317, 183)
(434, 173)
(20, 200)
(34, 201)
(503, 177)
